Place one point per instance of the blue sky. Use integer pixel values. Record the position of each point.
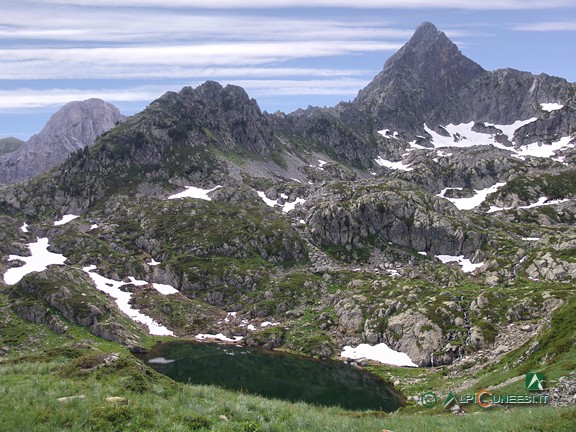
(286, 53)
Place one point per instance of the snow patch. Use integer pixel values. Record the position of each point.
(472, 202)
(441, 153)
(24, 227)
(194, 192)
(112, 288)
(165, 289)
(230, 316)
(466, 264)
(40, 258)
(93, 227)
(269, 324)
(380, 353)
(387, 133)
(542, 201)
(393, 165)
(153, 262)
(219, 336)
(65, 219)
(544, 150)
(160, 360)
(286, 207)
(462, 135)
(551, 106)
(510, 130)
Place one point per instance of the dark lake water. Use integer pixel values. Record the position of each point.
(274, 375)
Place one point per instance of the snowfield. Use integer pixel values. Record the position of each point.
(65, 219)
(462, 136)
(39, 260)
(194, 192)
(542, 201)
(393, 165)
(286, 207)
(380, 353)
(112, 288)
(551, 106)
(472, 202)
(219, 337)
(466, 264)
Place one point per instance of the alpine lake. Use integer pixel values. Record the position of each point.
(274, 375)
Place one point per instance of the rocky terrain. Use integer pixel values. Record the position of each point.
(432, 213)
(75, 126)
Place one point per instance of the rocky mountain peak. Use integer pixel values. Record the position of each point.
(426, 72)
(81, 121)
(433, 57)
(227, 98)
(74, 126)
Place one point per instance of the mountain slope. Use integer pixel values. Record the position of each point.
(73, 127)
(432, 236)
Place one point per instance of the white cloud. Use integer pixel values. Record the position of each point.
(359, 4)
(30, 99)
(549, 26)
(108, 24)
(117, 62)
(11, 100)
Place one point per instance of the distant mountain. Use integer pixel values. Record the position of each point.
(73, 127)
(10, 144)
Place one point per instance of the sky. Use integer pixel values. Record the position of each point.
(287, 54)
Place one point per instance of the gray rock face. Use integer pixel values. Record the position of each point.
(390, 212)
(411, 332)
(73, 127)
(418, 79)
(42, 297)
(430, 81)
(10, 144)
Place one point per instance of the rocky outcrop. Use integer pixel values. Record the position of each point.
(349, 315)
(40, 314)
(74, 126)
(413, 333)
(549, 267)
(358, 216)
(58, 292)
(564, 392)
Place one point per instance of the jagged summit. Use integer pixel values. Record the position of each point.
(429, 81)
(430, 51)
(426, 72)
